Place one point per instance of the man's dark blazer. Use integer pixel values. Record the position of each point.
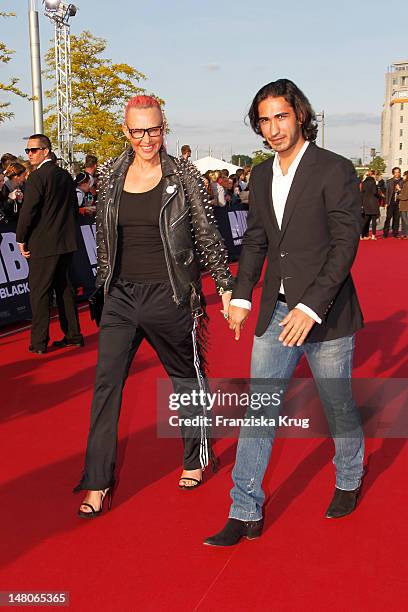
(315, 248)
(48, 218)
(389, 190)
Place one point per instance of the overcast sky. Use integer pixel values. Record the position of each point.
(208, 58)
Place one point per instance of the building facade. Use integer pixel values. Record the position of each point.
(394, 123)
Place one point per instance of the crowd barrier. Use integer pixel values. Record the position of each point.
(14, 291)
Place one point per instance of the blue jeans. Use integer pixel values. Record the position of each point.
(327, 360)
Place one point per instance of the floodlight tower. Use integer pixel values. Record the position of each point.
(60, 13)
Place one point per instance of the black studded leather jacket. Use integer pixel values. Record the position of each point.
(190, 237)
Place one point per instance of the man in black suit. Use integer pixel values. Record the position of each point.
(46, 236)
(394, 186)
(305, 218)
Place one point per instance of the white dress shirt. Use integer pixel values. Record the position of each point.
(43, 162)
(281, 184)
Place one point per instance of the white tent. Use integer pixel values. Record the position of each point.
(212, 163)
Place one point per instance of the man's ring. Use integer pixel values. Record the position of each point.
(226, 316)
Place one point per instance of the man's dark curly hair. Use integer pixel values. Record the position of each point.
(284, 88)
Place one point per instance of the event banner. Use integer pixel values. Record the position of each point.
(14, 291)
(232, 223)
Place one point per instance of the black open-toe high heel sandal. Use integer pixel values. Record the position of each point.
(194, 486)
(94, 513)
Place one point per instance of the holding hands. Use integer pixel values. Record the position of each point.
(296, 325)
(234, 315)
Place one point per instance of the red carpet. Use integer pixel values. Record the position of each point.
(146, 554)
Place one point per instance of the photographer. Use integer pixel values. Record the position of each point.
(13, 190)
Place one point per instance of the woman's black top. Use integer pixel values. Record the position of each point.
(140, 254)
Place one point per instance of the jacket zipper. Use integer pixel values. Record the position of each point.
(169, 269)
(110, 202)
(107, 246)
(109, 277)
(180, 218)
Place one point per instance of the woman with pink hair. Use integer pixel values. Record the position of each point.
(155, 231)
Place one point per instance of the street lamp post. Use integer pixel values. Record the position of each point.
(320, 117)
(35, 66)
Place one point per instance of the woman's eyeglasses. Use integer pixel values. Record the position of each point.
(34, 149)
(138, 133)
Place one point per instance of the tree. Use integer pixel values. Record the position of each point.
(100, 89)
(11, 86)
(241, 160)
(260, 156)
(378, 165)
